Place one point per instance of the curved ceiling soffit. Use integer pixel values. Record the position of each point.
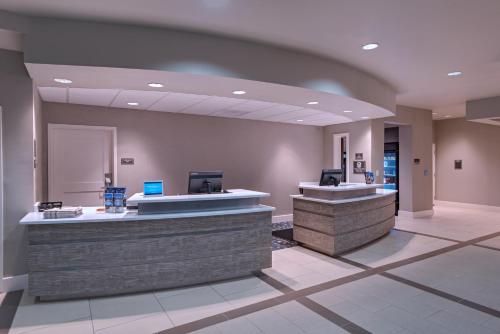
(70, 42)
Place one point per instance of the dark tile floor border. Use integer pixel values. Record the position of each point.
(426, 288)
(442, 294)
(488, 247)
(8, 310)
(333, 317)
(302, 293)
(314, 306)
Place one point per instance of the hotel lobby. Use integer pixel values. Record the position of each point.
(219, 166)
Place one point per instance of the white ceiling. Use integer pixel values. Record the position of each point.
(191, 104)
(420, 41)
(197, 94)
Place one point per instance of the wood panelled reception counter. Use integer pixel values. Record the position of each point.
(333, 220)
(170, 241)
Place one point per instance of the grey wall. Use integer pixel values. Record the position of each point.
(360, 141)
(265, 156)
(415, 140)
(16, 99)
(477, 145)
(406, 168)
(391, 135)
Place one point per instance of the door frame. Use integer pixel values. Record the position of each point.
(1, 202)
(337, 139)
(50, 137)
(433, 172)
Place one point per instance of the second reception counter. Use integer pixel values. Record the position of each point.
(167, 242)
(334, 220)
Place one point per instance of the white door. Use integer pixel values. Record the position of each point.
(79, 158)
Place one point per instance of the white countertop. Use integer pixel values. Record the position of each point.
(341, 187)
(231, 194)
(90, 215)
(379, 193)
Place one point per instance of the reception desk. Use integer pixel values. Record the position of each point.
(168, 242)
(334, 220)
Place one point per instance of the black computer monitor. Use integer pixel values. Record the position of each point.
(330, 177)
(205, 182)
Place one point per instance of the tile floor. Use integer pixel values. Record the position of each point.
(453, 291)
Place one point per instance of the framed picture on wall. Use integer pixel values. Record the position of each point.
(359, 167)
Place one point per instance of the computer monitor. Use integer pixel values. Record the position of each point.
(153, 188)
(330, 177)
(205, 182)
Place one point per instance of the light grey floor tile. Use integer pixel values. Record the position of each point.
(147, 325)
(454, 222)
(35, 316)
(299, 268)
(307, 320)
(240, 326)
(80, 326)
(238, 285)
(292, 317)
(399, 307)
(395, 247)
(258, 293)
(112, 311)
(493, 242)
(193, 304)
(459, 324)
(471, 273)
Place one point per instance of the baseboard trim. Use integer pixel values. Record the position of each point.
(283, 218)
(416, 214)
(13, 283)
(468, 205)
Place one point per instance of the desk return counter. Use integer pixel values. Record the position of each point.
(168, 242)
(336, 219)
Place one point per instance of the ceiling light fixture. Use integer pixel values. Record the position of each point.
(454, 74)
(313, 102)
(155, 85)
(300, 120)
(365, 117)
(347, 111)
(370, 46)
(133, 103)
(239, 92)
(63, 81)
(447, 116)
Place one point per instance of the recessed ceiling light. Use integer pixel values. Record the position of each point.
(155, 85)
(63, 81)
(347, 111)
(300, 120)
(239, 92)
(365, 117)
(313, 102)
(370, 46)
(434, 113)
(454, 74)
(133, 103)
(447, 116)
